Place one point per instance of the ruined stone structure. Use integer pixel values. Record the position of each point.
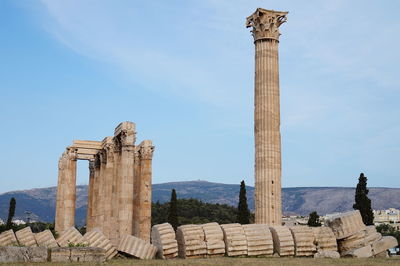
(119, 193)
(265, 29)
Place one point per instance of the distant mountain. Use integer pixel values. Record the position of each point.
(299, 200)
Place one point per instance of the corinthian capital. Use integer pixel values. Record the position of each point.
(146, 150)
(265, 23)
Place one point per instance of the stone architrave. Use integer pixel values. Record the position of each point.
(7, 238)
(163, 237)
(235, 239)
(137, 247)
(283, 241)
(214, 238)
(46, 239)
(191, 242)
(66, 191)
(265, 29)
(142, 202)
(26, 238)
(324, 239)
(259, 240)
(345, 224)
(96, 238)
(304, 239)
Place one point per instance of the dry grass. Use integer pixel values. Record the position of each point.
(241, 261)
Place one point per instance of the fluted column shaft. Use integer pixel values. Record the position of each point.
(89, 218)
(267, 134)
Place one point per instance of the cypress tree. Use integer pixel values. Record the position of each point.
(173, 210)
(11, 212)
(362, 202)
(313, 220)
(243, 216)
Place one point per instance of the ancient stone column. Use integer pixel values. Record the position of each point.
(89, 213)
(96, 192)
(142, 208)
(114, 233)
(108, 185)
(66, 191)
(127, 135)
(265, 24)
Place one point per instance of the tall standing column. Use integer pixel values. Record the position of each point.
(108, 185)
(265, 29)
(127, 135)
(89, 213)
(144, 190)
(66, 191)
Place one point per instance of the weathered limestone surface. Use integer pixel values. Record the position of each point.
(325, 239)
(303, 237)
(23, 254)
(96, 238)
(384, 244)
(163, 237)
(364, 252)
(345, 224)
(235, 239)
(191, 242)
(70, 236)
(359, 239)
(327, 254)
(46, 239)
(77, 254)
(283, 241)
(137, 247)
(268, 206)
(214, 238)
(383, 254)
(25, 237)
(259, 239)
(7, 238)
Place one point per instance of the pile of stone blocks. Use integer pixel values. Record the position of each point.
(69, 237)
(303, 238)
(214, 239)
(357, 240)
(137, 247)
(259, 240)
(191, 242)
(163, 237)
(325, 242)
(95, 238)
(235, 239)
(283, 241)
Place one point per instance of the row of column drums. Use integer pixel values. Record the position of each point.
(212, 239)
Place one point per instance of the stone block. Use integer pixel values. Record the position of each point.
(327, 254)
(345, 224)
(71, 236)
(384, 254)
(23, 254)
(7, 238)
(259, 240)
(384, 244)
(46, 239)
(163, 237)
(304, 239)
(235, 239)
(95, 238)
(25, 237)
(214, 238)
(324, 238)
(364, 252)
(77, 254)
(283, 241)
(191, 244)
(359, 239)
(137, 247)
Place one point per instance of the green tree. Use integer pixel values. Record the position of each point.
(362, 202)
(173, 210)
(243, 215)
(313, 219)
(11, 212)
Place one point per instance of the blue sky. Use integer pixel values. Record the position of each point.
(183, 72)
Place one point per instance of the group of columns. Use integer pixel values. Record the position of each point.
(119, 192)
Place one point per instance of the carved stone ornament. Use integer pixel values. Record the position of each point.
(265, 23)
